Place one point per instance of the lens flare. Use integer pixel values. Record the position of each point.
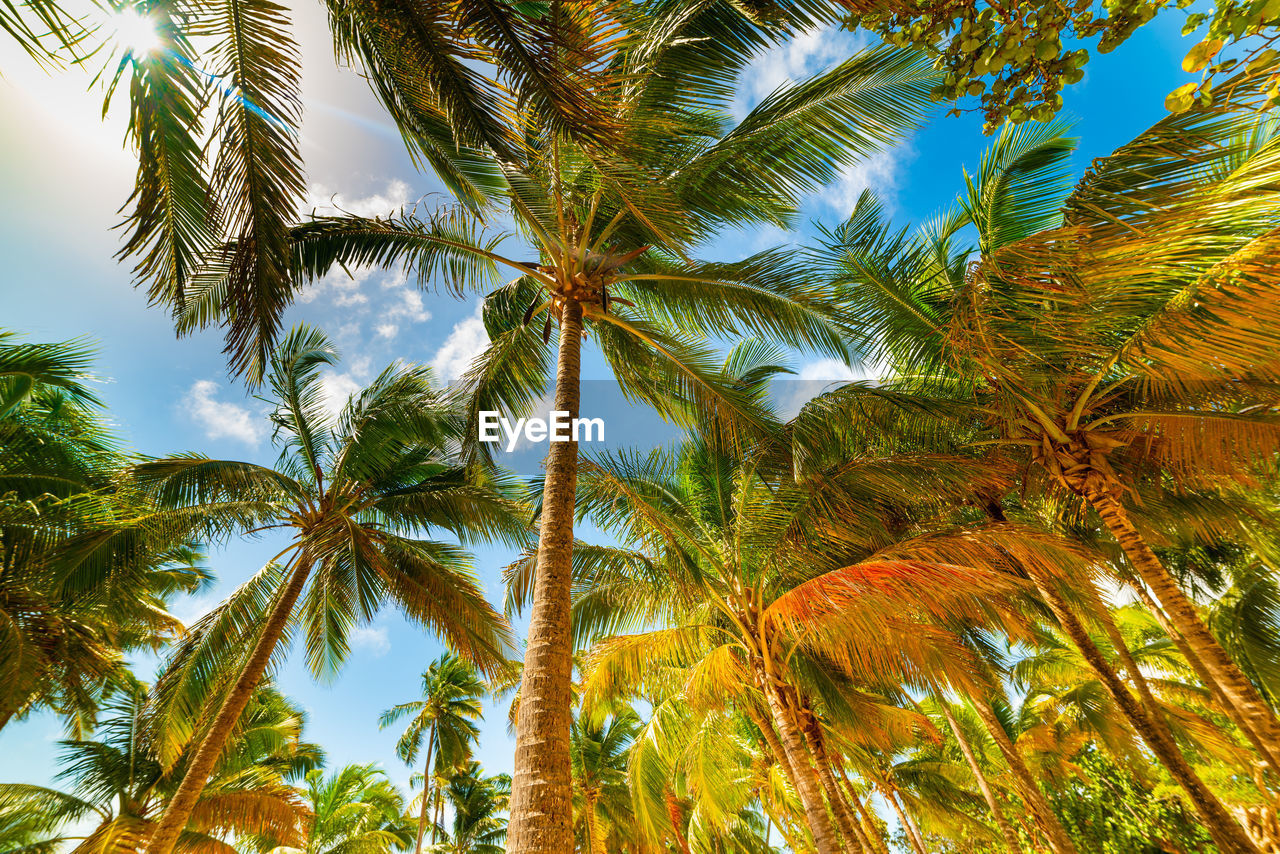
(136, 31)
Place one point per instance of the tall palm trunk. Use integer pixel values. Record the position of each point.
(1243, 699)
(595, 833)
(541, 790)
(1006, 829)
(908, 825)
(1220, 700)
(780, 754)
(439, 813)
(676, 815)
(178, 812)
(849, 829)
(1046, 818)
(1149, 722)
(870, 830)
(426, 792)
(806, 780)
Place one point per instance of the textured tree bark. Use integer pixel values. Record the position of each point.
(595, 833)
(1149, 721)
(426, 792)
(1006, 829)
(676, 816)
(1054, 832)
(1206, 678)
(1242, 698)
(541, 789)
(849, 829)
(908, 826)
(178, 812)
(870, 830)
(806, 780)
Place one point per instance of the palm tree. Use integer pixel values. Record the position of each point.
(612, 231)
(355, 808)
(598, 750)
(211, 238)
(1088, 338)
(753, 585)
(351, 491)
(610, 145)
(477, 802)
(82, 579)
(118, 787)
(1086, 344)
(446, 717)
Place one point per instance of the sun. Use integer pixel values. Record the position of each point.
(135, 31)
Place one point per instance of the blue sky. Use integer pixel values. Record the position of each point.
(64, 177)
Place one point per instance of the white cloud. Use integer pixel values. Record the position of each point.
(817, 377)
(405, 304)
(373, 639)
(189, 609)
(878, 173)
(324, 201)
(220, 419)
(467, 340)
(804, 55)
(343, 288)
(338, 389)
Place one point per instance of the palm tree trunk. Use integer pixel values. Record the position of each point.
(806, 780)
(870, 830)
(1149, 721)
(677, 821)
(1054, 832)
(780, 755)
(426, 791)
(541, 791)
(595, 834)
(1206, 678)
(439, 813)
(908, 826)
(1006, 829)
(1242, 698)
(844, 817)
(178, 811)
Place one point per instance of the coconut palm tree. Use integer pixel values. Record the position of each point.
(1084, 341)
(599, 746)
(1088, 339)
(477, 803)
(210, 237)
(610, 144)
(446, 719)
(752, 583)
(117, 787)
(82, 579)
(612, 232)
(355, 808)
(352, 492)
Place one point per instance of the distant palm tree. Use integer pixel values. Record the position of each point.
(353, 809)
(83, 577)
(446, 718)
(354, 492)
(118, 787)
(477, 802)
(599, 751)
